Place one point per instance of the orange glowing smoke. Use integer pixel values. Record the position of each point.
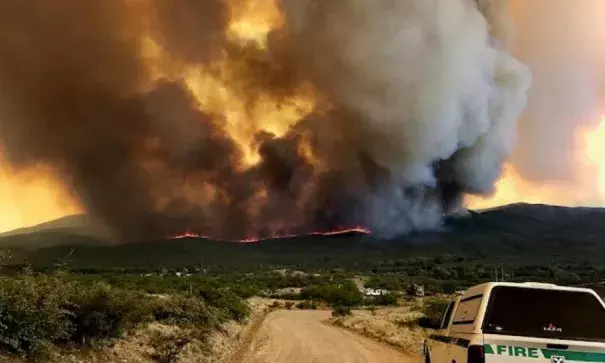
(588, 187)
(218, 87)
(595, 151)
(221, 90)
(336, 232)
(32, 197)
(252, 20)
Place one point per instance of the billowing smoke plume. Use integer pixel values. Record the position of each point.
(405, 106)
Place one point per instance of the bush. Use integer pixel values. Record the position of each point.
(100, 312)
(245, 291)
(231, 305)
(345, 294)
(187, 311)
(168, 348)
(289, 296)
(33, 313)
(306, 305)
(386, 283)
(384, 300)
(37, 313)
(432, 311)
(342, 311)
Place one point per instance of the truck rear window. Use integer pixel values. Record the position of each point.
(542, 313)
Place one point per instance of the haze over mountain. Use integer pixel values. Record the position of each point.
(514, 234)
(75, 229)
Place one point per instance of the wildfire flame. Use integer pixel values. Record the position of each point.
(219, 92)
(335, 232)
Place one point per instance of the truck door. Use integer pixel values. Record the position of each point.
(463, 327)
(439, 341)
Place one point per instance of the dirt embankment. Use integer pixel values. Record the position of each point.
(290, 336)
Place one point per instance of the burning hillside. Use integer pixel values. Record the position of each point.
(245, 119)
(338, 232)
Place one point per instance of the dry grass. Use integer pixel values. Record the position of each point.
(393, 326)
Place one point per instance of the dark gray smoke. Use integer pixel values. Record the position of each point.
(419, 101)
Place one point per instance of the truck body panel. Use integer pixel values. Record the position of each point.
(502, 348)
(521, 322)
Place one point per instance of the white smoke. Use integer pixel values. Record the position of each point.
(428, 81)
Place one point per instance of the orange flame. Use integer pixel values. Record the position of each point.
(218, 87)
(252, 20)
(336, 232)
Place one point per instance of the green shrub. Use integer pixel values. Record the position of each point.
(384, 282)
(33, 313)
(101, 312)
(432, 311)
(289, 296)
(384, 300)
(341, 311)
(245, 291)
(345, 294)
(231, 305)
(168, 347)
(187, 311)
(37, 313)
(307, 305)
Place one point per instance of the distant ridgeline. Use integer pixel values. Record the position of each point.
(556, 238)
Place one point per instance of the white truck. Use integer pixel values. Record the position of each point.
(520, 322)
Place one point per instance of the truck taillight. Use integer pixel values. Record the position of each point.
(476, 354)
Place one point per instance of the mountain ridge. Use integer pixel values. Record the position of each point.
(519, 233)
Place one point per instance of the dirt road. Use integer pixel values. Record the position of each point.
(301, 337)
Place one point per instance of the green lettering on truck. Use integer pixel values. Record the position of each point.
(514, 351)
(520, 352)
(533, 353)
(488, 349)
